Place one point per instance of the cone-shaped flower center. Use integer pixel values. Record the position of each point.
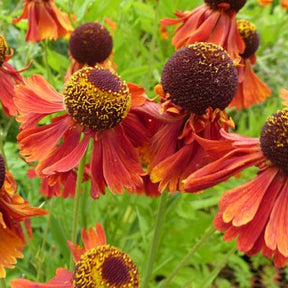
(2, 171)
(233, 4)
(90, 43)
(3, 49)
(105, 266)
(96, 98)
(274, 139)
(250, 36)
(199, 76)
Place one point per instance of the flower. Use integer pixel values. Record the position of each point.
(45, 21)
(13, 210)
(95, 105)
(197, 83)
(8, 78)
(284, 3)
(251, 89)
(214, 21)
(97, 265)
(284, 96)
(256, 212)
(90, 44)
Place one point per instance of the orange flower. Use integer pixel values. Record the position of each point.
(97, 265)
(284, 3)
(45, 20)
(90, 44)
(13, 210)
(256, 212)
(284, 96)
(251, 89)
(197, 83)
(95, 105)
(214, 21)
(8, 78)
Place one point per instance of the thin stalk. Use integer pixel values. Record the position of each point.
(70, 12)
(39, 270)
(156, 236)
(77, 204)
(153, 44)
(45, 60)
(205, 237)
(2, 151)
(3, 283)
(208, 281)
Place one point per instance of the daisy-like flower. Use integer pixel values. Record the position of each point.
(96, 105)
(197, 83)
(256, 212)
(8, 78)
(284, 3)
(214, 21)
(97, 265)
(251, 89)
(13, 210)
(90, 44)
(45, 20)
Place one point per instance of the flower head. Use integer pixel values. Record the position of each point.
(199, 76)
(256, 211)
(214, 21)
(97, 265)
(228, 4)
(90, 43)
(9, 77)
(251, 89)
(250, 36)
(13, 210)
(45, 20)
(105, 98)
(197, 82)
(96, 104)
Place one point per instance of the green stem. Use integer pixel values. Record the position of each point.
(45, 60)
(77, 204)
(3, 283)
(205, 237)
(152, 47)
(2, 151)
(70, 12)
(208, 281)
(156, 236)
(44, 241)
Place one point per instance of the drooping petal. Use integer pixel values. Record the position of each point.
(63, 279)
(276, 233)
(11, 246)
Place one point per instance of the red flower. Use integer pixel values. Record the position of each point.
(90, 44)
(45, 20)
(251, 89)
(256, 212)
(8, 78)
(192, 104)
(284, 3)
(97, 265)
(213, 22)
(95, 106)
(13, 210)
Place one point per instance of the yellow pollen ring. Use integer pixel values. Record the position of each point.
(105, 266)
(246, 29)
(96, 98)
(3, 49)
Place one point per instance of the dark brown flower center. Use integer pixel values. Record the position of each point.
(274, 139)
(96, 98)
(3, 49)
(233, 4)
(90, 43)
(2, 171)
(105, 266)
(199, 76)
(250, 36)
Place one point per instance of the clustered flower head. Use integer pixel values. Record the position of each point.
(105, 130)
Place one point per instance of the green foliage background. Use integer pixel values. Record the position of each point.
(140, 55)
